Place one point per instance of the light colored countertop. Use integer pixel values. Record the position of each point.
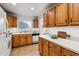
(65, 43)
(24, 33)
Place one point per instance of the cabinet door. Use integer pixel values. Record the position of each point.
(29, 39)
(10, 21)
(15, 41)
(45, 47)
(62, 15)
(40, 46)
(14, 22)
(35, 23)
(22, 39)
(45, 22)
(74, 14)
(51, 17)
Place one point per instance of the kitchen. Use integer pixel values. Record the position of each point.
(39, 29)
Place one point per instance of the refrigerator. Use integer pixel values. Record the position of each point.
(4, 50)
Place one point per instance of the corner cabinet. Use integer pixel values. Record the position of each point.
(12, 21)
(74, 14)
(62, 14)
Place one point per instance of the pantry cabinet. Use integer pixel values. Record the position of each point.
(21, 39)
(74, 14)
(47, 48)
(62, 14)
(51, 17)
(12, 21)
(45, 19)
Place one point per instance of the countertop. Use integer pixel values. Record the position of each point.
(25, 33)
(65, 43)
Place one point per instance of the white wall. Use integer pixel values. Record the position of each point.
(25, 19)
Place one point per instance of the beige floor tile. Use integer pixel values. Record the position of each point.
(30, 50)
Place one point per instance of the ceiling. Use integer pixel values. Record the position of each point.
(25, 8)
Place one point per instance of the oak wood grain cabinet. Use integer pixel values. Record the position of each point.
(28, 39)
(62, 14)
(21, 39)
(51, 17)
(40, 46)
(45, 19)
(45, 47)
(35, 22)
(15, 40)
(54, 49)
(74, 14)
(66, 52)
(12, 21)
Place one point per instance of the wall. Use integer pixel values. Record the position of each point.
(24, 19)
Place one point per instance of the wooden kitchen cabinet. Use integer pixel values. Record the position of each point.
(12, 21)
(54, 49)
(21, 39)
(35, 22)
(74, 14)
(40, 46)
(28, 39)
(62, 15)
(51, 17)
(45, 47)
(66, 52)
(45, 19)
(15, 40)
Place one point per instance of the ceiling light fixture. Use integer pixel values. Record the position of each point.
(13, 3)
(32, 8)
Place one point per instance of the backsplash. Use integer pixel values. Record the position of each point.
(72, 30)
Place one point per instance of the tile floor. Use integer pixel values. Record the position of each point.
(30, 50)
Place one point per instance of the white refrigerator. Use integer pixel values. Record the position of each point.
(4, 51)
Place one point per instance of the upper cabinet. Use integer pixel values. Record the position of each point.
(51, 17)
(62, 14)
(35, 22)
(12, 21)
(74, 14)
(45, 20)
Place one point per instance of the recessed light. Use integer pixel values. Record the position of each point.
(13, 3)
(32, 8)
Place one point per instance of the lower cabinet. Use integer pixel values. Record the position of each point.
(43, 47)
(47, 48)
(21, 39)
(66, 52)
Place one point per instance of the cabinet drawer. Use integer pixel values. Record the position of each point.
(53, 53)
(55, 48)
(66, 52)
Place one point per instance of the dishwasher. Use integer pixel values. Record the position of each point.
(35, 38)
